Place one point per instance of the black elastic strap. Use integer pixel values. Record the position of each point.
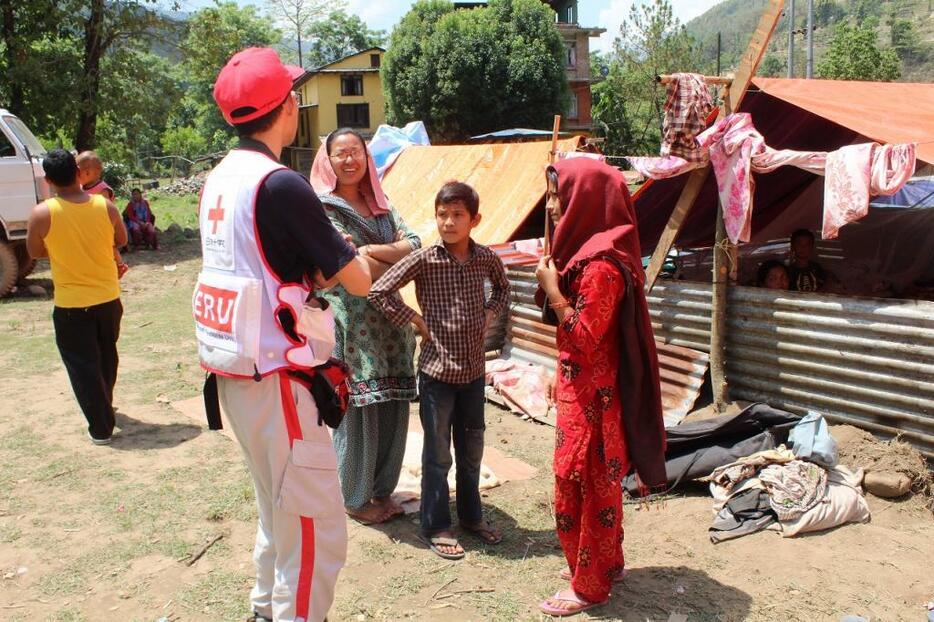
(212, 406)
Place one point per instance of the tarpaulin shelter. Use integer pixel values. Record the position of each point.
(509, 177)
(869, 360)
(804, 115)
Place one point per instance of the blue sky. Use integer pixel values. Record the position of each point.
(609, 14)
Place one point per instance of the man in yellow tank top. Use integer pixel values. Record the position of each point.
(78, 232)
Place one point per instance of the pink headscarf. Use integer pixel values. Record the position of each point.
(324, 180)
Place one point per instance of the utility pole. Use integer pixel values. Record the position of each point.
(810, 64)
(718, 53)
(791, 39)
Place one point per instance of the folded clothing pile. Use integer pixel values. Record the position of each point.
(793, 491)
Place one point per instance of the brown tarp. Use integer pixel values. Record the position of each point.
(509, 177)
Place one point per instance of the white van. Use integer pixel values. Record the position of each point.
(22, 185)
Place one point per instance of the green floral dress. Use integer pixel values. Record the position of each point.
(380, 356)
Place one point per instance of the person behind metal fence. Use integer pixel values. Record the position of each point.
(607, 387)
(78, 232)
(449, 285)
(370, 441)
(264, 239)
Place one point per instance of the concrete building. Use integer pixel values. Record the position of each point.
(577, 60)
(344, 93)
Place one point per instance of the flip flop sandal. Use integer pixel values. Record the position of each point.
(560, 612)
(484, 531)
(619, 578)
(433, 542)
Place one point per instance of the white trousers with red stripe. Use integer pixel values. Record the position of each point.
(301, 541)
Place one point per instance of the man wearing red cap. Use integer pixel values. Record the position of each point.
(265, 239)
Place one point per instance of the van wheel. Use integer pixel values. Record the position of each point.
(25, 263)
(9, 269)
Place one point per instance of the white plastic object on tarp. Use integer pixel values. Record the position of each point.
(389, 141)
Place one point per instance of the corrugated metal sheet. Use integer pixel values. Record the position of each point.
(864, 361)
(509, 177)
(528, 339)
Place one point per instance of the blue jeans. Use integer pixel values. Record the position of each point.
(445, 408)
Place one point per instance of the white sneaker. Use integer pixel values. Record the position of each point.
(100, 441)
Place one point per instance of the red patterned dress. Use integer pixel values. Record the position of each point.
(590, 451)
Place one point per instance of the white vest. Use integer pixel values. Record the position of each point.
(237, 297)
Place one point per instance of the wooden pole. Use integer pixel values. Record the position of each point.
(552, 154)
(724, 255)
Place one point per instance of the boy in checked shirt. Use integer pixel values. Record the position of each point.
(449, 285)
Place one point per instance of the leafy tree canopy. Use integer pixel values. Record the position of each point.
(466, 72)
(339, 35)
(855, 55)
(628, 105)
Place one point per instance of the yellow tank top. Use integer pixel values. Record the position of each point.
(80, 242)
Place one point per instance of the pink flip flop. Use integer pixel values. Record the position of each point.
(619, 578)
(569, 596)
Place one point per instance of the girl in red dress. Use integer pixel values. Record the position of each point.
(607, 385)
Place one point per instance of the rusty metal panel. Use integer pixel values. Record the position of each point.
(864, 361)
(528, 339)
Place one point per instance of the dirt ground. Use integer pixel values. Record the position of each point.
(105, 533)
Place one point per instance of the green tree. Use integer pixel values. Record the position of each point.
(295, 17)
(827, 12)
(628, 104)
(855, 55)
(214, 35)
(905, 39)
(339, 35)
(465, 72)
(772, 66)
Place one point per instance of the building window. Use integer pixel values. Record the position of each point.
(374, 61)
(570, 55)
(570, 14)
(353, 115)
(351, 85)
(572, 107)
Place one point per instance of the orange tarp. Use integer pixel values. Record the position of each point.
(509, 177)
(887, 112)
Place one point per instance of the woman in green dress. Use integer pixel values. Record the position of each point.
(370, 442)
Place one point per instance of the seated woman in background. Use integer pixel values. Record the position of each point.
(140, 221)
(772, 275)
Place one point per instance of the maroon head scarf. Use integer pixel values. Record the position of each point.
(598, 221)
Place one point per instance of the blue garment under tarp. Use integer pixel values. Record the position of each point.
(918, 193)
(388, 142)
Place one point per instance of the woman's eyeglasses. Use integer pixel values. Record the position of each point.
(355, 153)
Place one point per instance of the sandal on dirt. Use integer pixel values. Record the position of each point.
(619, 578)
(435, 542)
(485, 531)
(393, 508)
(567, 596)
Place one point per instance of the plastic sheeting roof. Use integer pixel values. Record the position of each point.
(509, 177)
(805, 115)
(887, 112)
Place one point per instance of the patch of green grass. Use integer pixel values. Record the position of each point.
(220, 594)
(403, 585)
(178, 209)
(10, 534)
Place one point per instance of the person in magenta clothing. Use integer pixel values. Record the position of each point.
(140, 222)
(607, 392)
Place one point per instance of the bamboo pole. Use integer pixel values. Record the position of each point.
(552, 154)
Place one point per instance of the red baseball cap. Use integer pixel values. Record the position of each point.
(253, 82)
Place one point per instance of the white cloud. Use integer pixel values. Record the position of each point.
(378, 15)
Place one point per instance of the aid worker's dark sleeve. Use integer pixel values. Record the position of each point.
(295, 234)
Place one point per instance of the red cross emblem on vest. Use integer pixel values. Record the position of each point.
(215, 215)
